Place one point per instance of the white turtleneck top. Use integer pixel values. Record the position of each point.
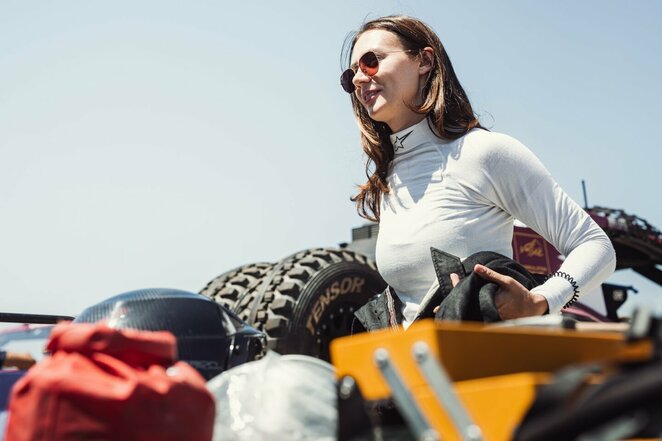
(462, 196)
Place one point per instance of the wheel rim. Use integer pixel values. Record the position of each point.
(335, 322)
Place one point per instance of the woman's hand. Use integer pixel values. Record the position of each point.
(512, 300)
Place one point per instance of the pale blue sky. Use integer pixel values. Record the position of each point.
(160, 143)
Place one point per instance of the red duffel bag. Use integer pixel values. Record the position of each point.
(104, 384)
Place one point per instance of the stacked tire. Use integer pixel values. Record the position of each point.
(302, 302)
(227, 288)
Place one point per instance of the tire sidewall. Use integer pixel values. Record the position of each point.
(341, 282)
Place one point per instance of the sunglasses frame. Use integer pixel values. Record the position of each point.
(347, 77)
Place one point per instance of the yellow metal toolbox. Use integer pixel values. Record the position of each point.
(459, 381)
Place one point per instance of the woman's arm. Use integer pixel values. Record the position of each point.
(524, 188)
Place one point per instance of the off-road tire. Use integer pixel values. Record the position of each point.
(309, 298)
(227, 288)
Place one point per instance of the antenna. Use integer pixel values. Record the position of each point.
(584, 190)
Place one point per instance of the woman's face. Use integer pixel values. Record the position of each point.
(396, 84)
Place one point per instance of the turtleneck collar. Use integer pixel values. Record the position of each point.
(407, 139)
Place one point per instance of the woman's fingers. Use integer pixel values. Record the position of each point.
(455, 279)
(512, 299)
(492, 275)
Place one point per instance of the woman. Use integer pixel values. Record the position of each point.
(436, 178)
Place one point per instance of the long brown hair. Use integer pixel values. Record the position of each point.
(445, 103)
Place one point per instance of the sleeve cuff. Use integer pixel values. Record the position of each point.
(557, 291)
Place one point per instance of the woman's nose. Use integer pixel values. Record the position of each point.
(360, 78)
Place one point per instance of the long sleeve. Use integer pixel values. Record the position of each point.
(525, 189)
(461, 196)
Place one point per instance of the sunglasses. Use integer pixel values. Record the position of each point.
(369, 65)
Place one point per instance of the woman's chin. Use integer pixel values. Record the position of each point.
(376, 112)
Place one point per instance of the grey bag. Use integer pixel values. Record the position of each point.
(288, 397)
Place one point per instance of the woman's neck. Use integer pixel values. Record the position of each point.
(406, 121)
(408, 139)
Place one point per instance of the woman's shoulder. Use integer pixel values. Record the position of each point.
(487, 145)
(490, 139)
(501, 154)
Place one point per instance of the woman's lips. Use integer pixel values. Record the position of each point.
(369, 96)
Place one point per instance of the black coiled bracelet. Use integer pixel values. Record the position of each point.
(571, 280)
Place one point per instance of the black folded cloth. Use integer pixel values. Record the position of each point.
(473, 297)
(471, 300)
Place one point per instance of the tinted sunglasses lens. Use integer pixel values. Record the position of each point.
(346, 81)
(369, 63)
